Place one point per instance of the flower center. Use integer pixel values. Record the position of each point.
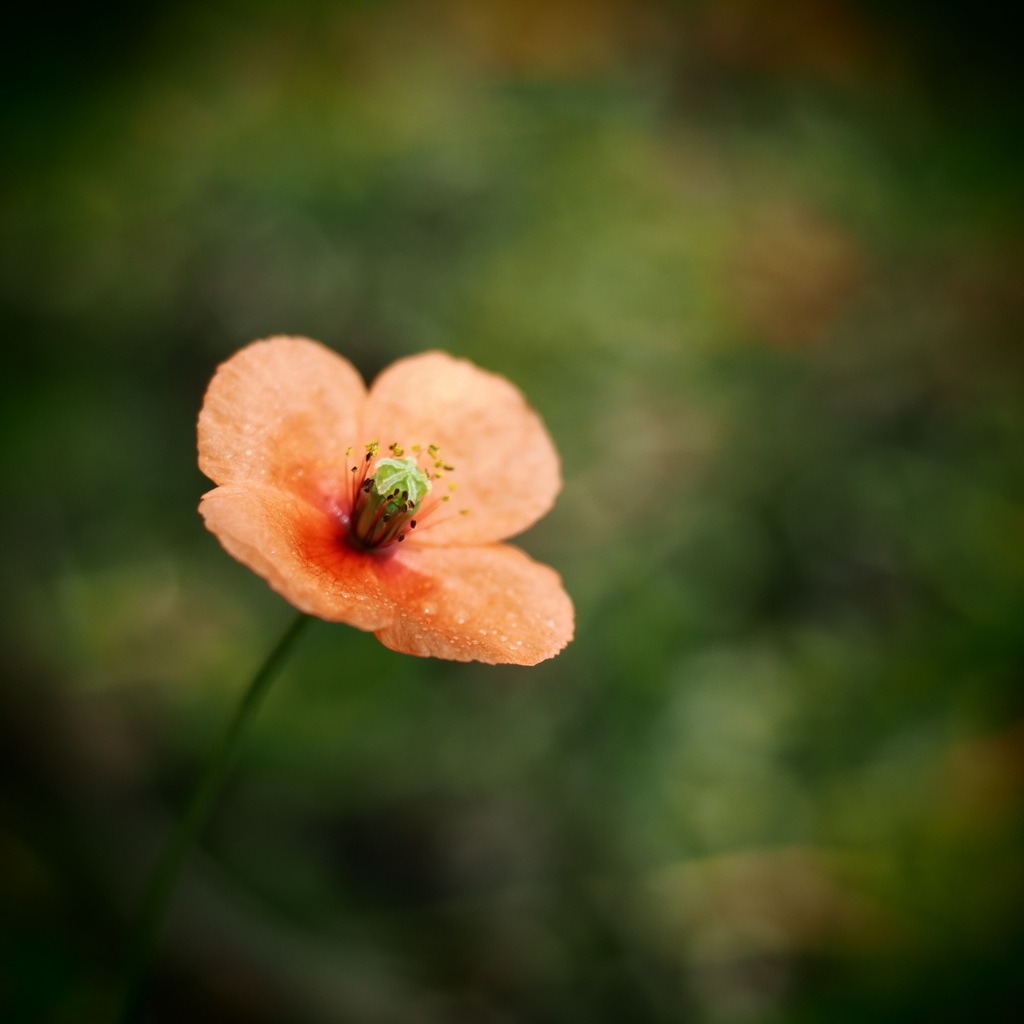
(387, 503)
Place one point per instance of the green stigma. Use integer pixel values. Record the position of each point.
(403, 476)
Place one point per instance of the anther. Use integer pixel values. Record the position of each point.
(401, 536)
(412, 524)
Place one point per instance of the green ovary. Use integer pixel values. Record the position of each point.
(402, 475)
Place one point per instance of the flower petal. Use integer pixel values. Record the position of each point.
(492, 604)
(506, 467)
(277, 411)
(300, 550)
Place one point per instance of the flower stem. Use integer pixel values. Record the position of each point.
(146, 933)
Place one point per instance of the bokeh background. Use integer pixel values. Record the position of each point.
(758, 264)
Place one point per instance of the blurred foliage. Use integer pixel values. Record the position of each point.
(758, 266)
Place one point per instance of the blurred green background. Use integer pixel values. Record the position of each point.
(758, 264)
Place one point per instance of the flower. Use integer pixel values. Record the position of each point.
(384, 508)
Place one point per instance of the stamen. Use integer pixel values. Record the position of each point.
(387, 493)
(382, 503)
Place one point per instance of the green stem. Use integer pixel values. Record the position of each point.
(161, 887)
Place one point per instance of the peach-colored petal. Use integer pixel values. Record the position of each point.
(300, 551)
(506, 468)
(492, 604)
(279, 411)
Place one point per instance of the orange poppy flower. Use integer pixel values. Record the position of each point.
(384, 508)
